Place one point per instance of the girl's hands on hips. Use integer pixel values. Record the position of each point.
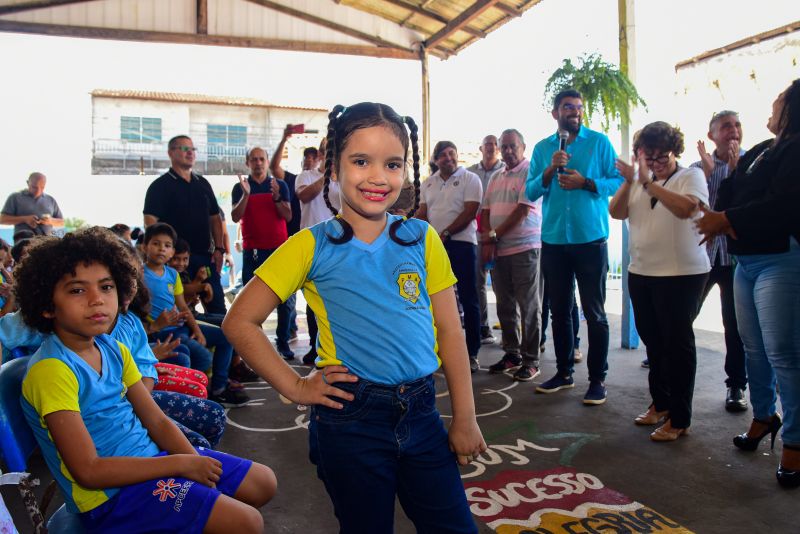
(202, 469)
(317, 388)
(466, 440)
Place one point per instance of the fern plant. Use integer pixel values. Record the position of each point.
(606, 89)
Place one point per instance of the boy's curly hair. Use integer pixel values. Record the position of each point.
(49, 259)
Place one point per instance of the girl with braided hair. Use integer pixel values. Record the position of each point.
(382, 289)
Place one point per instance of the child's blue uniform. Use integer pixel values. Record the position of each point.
(162, 289)
(373, 307)
(372, 301)
(60, 380)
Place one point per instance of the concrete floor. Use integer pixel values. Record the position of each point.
(554, 464)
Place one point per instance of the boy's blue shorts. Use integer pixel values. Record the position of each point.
(169, 504)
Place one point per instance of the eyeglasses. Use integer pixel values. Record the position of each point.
(572, 107)
(185, 148)
(661, 160)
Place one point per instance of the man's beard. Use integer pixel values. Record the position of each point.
(565, 124)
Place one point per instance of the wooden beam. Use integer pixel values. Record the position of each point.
(302, 15)
(432, 15)
(28, 6)
(460, 21)
(509, 10)
(202, 17)
(90, 32)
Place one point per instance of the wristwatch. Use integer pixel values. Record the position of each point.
(219, 249)
(493, 236)
(446, 235)
(587, 185)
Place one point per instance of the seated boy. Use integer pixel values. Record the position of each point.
(195, 289)
(166, 294)
(118, 460)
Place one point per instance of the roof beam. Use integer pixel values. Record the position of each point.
(211, 40)
(432, 15)
(28, 6)
(460, 21)
(286, 10)
(509, 10)
(202, 17)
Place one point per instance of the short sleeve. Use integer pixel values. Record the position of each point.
(303, 179)
(130, 373)
(154, 200)
(695, 184)
(10, 207)
(51, 386)
(178, 287)
(286, 269)
(57, 211)
(437, 264)
(473, 190)
(213, 207)
(140, 350)
(236, 194)
(284, 191)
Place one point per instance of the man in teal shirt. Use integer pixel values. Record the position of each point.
(575, 183)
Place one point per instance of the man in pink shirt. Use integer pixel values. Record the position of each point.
(512, 237)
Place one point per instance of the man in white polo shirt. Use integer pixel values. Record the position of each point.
(512, 236)
(450, 201)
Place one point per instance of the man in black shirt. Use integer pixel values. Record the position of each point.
(185, 200)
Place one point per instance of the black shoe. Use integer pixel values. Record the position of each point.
(310, 358)
(473, 364)
(646, 363)
(242, 373)
(735, 401)
(526, 373)
(230, 398)
(746, 443)
(787, 477)
(508, 363)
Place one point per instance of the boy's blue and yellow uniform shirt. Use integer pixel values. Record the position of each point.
(162, 290)
(60, 380)
(372, 301)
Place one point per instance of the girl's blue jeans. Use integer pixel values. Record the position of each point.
(767, 293)
(388, 442)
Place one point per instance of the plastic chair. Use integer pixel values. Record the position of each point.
(16, 445)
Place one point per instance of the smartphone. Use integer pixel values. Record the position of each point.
(297, 128)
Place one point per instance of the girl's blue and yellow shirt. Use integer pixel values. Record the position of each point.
(372, 300)
(60, 380)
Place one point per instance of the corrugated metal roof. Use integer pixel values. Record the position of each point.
(381, 28)
(191, 98)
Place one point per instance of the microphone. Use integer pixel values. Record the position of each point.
(563, 135)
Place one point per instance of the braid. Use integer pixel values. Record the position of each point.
(330, 156)
(412, 127)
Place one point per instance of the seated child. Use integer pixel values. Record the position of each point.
(117, 458)
(195, 289)
(166, 294)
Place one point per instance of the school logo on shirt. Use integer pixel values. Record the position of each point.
(166, 489)
(409, 286)
(171, 289)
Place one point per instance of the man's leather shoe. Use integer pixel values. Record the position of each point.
(735, 401)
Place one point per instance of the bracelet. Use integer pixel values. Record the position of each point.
(220, 249)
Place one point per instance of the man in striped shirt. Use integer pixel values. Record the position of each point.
(512, 237)
(725, 130)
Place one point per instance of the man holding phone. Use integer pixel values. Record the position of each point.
(32, 209)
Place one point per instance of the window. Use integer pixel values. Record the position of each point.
(140, 129)
(226, 140)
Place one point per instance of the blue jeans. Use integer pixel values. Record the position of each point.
(217, 304)
(202, 358)
(182, 357)
(562, 265)
(463, 261)
(252, 260)
(767, 292)
(388, 442)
